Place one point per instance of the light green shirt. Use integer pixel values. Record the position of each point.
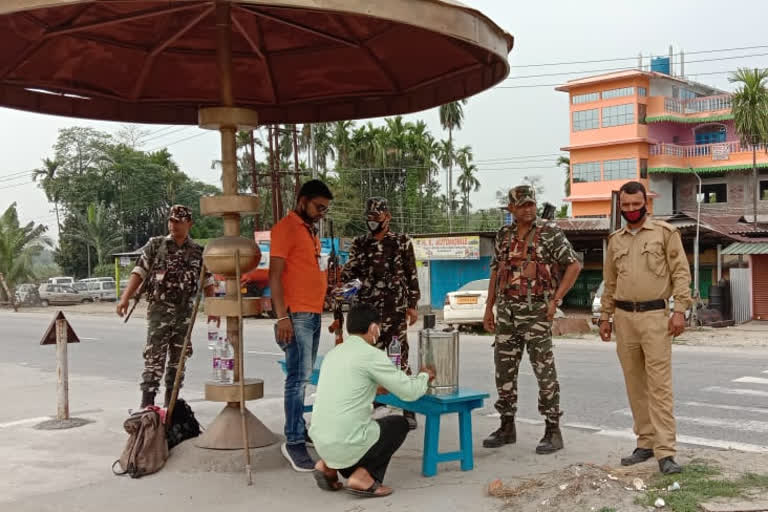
(342, 428)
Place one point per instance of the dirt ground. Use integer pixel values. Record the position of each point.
(591, 487)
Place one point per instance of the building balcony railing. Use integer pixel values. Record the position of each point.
(718, 151)
(698, 105)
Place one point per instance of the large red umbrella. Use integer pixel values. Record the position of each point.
(227, 64)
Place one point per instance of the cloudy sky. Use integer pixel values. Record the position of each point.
(515, 129)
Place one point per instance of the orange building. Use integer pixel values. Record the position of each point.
(656, 128)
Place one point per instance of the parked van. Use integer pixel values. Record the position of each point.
(61, 280)
(97, 290)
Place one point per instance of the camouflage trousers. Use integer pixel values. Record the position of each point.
(393, 323)
(518, 328)
(168, 325)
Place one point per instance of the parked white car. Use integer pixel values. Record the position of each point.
(61, 280)
(467, 304)
(97, 290)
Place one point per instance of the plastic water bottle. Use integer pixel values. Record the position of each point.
(216, 357)
(227, 363)
(394, 351)
(213, 335)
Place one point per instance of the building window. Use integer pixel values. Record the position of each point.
(644, 168)
(764, 190)
(681, 93)
(626, 168)
(642, 91)
(642, 110)
(715, 193)
(586, 172)
(585, 120)
(618, 115)
(618, 93)
(585, 98)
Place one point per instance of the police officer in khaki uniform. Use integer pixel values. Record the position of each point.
(645, 264)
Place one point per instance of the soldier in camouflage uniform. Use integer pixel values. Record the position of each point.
(172, 265)
(526, 288)
(385, 263)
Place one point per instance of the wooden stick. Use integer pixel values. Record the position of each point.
(62, 371)
(183, 355)
(241, 370)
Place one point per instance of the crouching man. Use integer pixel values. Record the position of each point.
(348, 441)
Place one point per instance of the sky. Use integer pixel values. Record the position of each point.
(514, 131)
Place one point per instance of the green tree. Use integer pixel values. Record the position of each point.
(19, 245)
(565, 163)
(47, 175)
(451, 118)
(95, 229)
(750, 115)
(468, 183)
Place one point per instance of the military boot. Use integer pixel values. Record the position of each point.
(552, 440)
(503, 435)
(147, 398)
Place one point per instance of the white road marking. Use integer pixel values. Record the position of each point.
(736, 391)
(628, 434)
(744, 425)
(751, 380)
(256, 352)
(759, 410)
(45, 418)
(89, 339)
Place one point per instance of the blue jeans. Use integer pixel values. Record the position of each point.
(300, 355)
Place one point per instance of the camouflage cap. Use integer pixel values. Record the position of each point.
(521, 195)
(180, 212)
(376, 206)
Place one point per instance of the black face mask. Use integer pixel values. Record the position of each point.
(635, 216)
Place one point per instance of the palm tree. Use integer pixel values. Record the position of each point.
(467, 183)
(95, 229)
(565, 163)
(750, 115)
(451, 118)
(47, 174)
(18, 245)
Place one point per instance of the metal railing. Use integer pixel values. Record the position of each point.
(698, 105)
(718, 150)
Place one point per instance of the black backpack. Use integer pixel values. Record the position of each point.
(184, 425)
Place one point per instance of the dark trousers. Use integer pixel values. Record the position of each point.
(394, 429)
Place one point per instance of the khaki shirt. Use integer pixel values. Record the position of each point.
(648, 265)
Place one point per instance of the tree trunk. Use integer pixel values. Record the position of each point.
(450, 181)
(255, 179)
(755, 183)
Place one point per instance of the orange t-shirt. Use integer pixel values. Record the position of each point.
(304, 284)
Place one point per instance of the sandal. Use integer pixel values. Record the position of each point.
(369, 492)
(325, 483)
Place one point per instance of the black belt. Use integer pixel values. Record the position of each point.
(639, 307)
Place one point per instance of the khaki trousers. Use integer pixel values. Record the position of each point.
(644, 347)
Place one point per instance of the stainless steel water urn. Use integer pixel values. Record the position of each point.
(440, 350)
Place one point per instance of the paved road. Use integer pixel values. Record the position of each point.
(722, 394)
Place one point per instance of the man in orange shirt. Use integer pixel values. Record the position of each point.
(298, 279)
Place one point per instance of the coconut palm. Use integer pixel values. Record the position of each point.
(47, 175)
(565, 163)
(750, 114)
(467, 183)
(451, 118)
(18, 246)
(95, 229)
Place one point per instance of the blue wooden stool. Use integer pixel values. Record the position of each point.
(434, 406)
(312, 379)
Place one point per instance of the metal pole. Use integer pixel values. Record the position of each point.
(755, 185)
(696, 293)
(62, 371)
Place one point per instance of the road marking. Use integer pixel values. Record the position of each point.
(89, 339)
(681, 439)
(751, 380)
(759, 410)
(735, 391)
(256, 352)
(45, 418)
(745, 425)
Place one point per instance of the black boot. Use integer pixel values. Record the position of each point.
(410, 417)
(638, 456)
(147, 398)
(503, 435)
(552, 440)
(668, 466)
